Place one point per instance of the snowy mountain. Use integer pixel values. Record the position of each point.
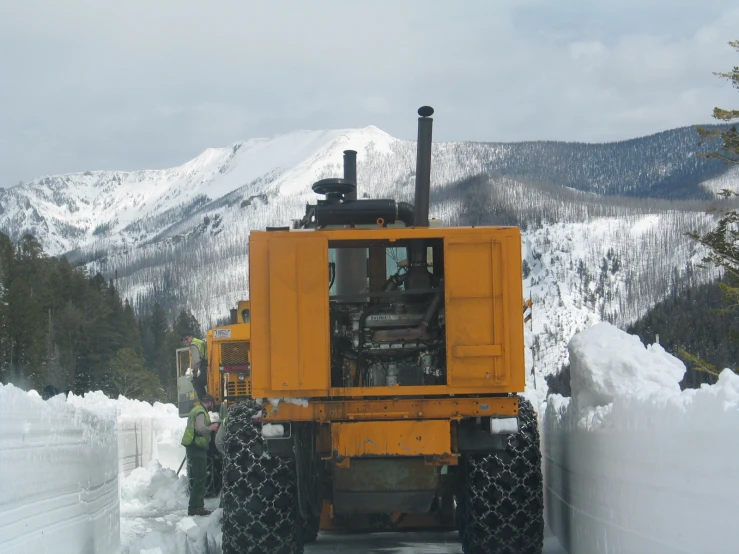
(601, 238)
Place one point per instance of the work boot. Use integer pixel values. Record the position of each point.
(198, 512)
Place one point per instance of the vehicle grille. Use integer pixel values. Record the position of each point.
(238, 388)
(235, 353)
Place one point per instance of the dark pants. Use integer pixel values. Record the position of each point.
(197, 473)
(200, 382)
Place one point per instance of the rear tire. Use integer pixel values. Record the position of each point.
(260, 495)
(503, 500)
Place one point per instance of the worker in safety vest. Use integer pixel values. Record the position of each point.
(199, 367)
(196, 441)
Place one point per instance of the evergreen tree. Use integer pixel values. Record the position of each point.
(7, 256)
(729, 151)
(130, 377)
(131, 334)
(60, 326)
(186, 323)
(723, 241)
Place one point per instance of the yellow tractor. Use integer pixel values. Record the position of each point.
(386, 360)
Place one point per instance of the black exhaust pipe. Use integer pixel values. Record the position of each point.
(351, 263)
(423, 165)
(418, 274)
(350, 172)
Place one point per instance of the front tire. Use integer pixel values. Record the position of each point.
(503, 510)
(260, 495)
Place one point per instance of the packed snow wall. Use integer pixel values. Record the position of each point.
(58, 476)
(633, 464)
(146, 432)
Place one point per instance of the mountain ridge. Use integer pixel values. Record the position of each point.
(600, 237)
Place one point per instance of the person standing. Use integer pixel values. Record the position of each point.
(199, 363)
(196, 441)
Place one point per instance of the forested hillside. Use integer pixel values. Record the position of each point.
(63, 327)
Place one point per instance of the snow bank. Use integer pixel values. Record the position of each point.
(146, 432)
(632, 464)
(58, 476)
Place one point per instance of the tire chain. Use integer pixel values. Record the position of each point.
(259, 492)
(504, 502)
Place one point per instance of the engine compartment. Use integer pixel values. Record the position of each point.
(393, 335)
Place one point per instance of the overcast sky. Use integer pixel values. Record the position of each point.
(88, 84)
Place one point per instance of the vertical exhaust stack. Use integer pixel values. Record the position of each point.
(351, 263)
(350, 171)
(423, 166)
(418, 275)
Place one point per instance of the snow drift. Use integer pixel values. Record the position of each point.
(633, 464)
(58, 476)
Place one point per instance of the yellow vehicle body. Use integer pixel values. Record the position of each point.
(289, 299)
(484, 334)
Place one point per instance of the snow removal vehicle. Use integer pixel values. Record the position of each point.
(227, 373)
(386, 360)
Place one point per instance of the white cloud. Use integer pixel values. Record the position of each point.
(152, 84)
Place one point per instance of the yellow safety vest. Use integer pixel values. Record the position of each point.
(190, 437)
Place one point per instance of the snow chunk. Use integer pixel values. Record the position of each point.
(500, 425)
(153, 489)
(296, 401)
(625, 458)
(606, 362)
(273, 430)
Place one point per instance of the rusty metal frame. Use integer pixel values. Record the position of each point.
(325, 411)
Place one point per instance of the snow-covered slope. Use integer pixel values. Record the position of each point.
(118, 208)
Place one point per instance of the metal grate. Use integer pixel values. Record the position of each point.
(235, 353)
(238, 388)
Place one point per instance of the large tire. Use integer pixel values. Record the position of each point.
(260, 501)
(503, 497)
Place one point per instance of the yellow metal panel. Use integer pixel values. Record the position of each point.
(391, 438)
(485, 350)
(298, 313)
(261, 351)
(480, 273)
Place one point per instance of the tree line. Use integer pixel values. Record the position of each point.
(63, 328)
